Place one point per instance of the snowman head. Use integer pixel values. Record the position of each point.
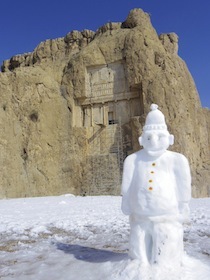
(155, 137)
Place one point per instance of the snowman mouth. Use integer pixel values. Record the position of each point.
(155, 148)
(157, 152)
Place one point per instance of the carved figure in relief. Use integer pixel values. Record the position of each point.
(156, 190)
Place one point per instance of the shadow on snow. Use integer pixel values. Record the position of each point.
(91, 255)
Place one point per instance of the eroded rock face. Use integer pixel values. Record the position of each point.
(74, 108)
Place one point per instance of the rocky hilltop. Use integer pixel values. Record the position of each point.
(73, 109)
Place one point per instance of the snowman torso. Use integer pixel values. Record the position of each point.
(153, 188)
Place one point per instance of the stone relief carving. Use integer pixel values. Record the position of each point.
(106, 80)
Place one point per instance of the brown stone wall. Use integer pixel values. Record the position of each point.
(71, 90)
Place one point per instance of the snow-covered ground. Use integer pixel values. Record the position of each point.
(76, 238)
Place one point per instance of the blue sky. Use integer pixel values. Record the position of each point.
(25, 23)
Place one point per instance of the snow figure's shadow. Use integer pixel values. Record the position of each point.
(92, 255)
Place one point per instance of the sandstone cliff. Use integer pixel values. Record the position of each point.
(73, 109)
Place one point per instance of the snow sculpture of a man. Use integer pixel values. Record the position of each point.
(156, 190)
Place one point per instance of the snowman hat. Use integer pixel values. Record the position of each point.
(155, 119)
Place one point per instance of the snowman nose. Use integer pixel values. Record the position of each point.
(154, 138)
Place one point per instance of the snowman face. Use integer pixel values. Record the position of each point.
(156, 140)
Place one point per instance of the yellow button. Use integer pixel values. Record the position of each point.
(153, 164)
(150, 181)
(150, 188)
(152, 172)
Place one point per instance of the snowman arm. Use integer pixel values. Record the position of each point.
(183, 178)
(128, 169)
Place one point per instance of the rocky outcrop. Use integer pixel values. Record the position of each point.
(73, 109)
